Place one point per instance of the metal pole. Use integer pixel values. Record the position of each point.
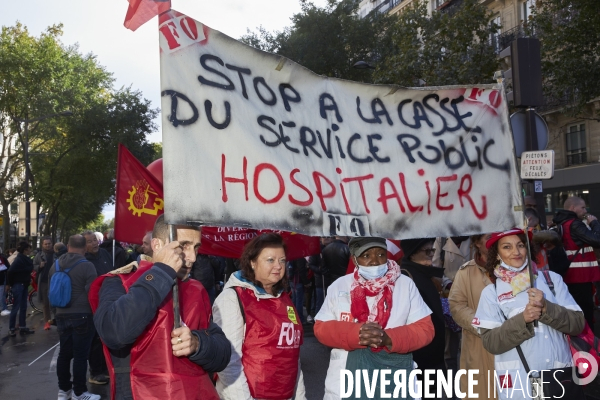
(27, 206)
(532, 145)
(176, 314)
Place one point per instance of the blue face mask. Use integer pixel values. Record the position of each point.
(372, 272)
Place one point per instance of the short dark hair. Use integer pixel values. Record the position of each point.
(44, 238)
(531, 212)
(251, 252)
(22, 246)
(77, 242)
(161, 228)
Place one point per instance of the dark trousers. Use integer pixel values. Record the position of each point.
(19, 292)
(298, 291)
(76, 332)
(583, 295)
(97, 360)
(43, 296)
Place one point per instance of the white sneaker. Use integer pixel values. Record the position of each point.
(4, 313)
(62, 395)
(310, 319)
(85, 396)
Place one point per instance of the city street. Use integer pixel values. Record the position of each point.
(28, 364)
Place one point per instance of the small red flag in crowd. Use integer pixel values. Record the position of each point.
(142, 11)
(139, 199)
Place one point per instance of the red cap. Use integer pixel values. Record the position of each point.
(499, 235)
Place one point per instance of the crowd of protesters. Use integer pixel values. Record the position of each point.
(447, 304)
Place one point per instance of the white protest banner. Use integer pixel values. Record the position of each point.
(255, 140)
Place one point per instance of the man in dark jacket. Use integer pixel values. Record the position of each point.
(137, 340)
(204, 270)
(120, 256)
(75, 323)
(43, 262)
(19, 277)
(103, 262)
(336, 256)
(417, 261)
(579, 240)
(101, 258)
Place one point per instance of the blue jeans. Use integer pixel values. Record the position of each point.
(299, 300)
(320, 299)
(2, 297)
(76, 332)
(19, 292)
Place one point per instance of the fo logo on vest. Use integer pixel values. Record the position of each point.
(290, 334)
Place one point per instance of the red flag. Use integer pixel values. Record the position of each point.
(142, 11)
(229, 242)
(139, 199)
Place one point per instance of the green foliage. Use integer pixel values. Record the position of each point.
(445, 48)
(329, 40)
(406, 49)
(569, 32)
(157, 151)
(73, 159)
(97, 225)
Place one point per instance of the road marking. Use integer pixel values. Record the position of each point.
(43, 354)
(53, 362)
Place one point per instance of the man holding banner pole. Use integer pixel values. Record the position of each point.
(134, 316)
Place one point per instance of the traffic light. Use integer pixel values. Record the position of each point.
(524, 77)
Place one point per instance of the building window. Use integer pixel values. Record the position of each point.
(526, 7)
(494, 37)
(576, 148)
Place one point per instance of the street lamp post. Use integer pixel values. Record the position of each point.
(65, 113)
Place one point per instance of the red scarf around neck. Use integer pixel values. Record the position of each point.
(380, 288)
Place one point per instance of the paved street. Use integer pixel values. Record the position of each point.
(28, 364)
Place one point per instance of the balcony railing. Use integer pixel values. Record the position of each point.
(386, 6)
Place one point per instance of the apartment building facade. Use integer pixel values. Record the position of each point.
(575, 140)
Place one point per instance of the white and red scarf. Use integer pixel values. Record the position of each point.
(380, 288)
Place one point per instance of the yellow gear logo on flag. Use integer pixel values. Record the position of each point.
(139, 196)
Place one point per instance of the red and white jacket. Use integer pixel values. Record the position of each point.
(584, 266)
(265, 358)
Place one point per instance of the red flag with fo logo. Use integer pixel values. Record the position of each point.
(142, 11)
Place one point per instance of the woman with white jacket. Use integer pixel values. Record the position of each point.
(264, 329)
(373, 318)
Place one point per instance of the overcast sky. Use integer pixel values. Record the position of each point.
(133, 56)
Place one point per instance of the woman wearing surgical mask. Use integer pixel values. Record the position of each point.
(507, 311)
(417, 263)
(373, 318)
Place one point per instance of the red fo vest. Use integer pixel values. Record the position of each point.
(584, 266)
(271, 348)
(155, 372)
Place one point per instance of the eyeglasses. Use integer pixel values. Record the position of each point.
(428, 252)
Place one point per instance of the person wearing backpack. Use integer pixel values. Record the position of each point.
(70, 278)
(580, 235)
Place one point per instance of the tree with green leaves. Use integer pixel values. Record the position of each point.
(569, 33)
(72, 160)
(411, 48)
(329, 40)
(444, 48)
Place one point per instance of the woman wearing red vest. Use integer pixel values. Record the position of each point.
(264, 329)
